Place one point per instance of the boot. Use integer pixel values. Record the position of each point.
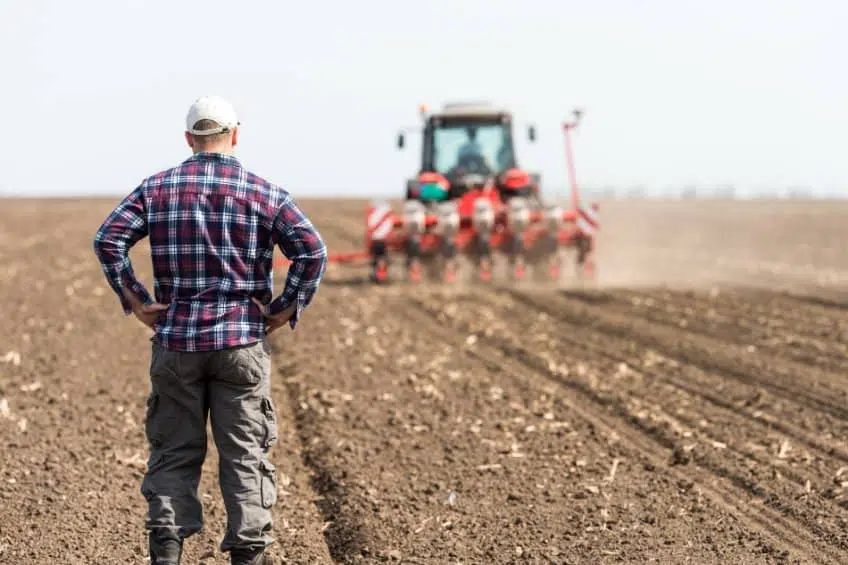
(249, 556)
(165, 551)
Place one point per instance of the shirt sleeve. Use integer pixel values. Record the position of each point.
(301, 243)
(124, 226)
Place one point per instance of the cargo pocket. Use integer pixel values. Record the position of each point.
(268, 485)
(270, 420)
(152, 427)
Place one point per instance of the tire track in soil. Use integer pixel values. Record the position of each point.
(817, 303)
(815, 321)
(704, 382)
(835, 299)
(694, 382)
(827, 449)
(347, 532)
(765, 302)
(802, 336)
(709, 354)
(575, 308)
(783, 333)
(768, 522)
(343, 530)
(729, 427)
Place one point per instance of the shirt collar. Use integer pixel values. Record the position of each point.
(208, 156)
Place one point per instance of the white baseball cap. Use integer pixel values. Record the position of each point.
(212, 108)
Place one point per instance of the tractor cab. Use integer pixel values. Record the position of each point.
(468, 147)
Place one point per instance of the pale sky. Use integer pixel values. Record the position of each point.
(752, 93)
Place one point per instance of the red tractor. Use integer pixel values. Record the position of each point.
(471, 200)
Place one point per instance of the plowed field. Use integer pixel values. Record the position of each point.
(691, 409)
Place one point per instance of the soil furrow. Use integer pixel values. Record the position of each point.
(522, 365)
(646, 384)
(783, 378)
(733, 322)
(837, 300)
(742, 397)
(343, 529)
(752, 303)
(769, 520)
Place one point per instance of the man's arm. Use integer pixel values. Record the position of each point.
(120, 231)
(301, 243)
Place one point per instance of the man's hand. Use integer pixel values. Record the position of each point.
(272, 322)
(148, 314)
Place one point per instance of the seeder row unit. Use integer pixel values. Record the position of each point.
(478, 227)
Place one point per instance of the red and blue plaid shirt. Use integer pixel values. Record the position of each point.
(212, 227)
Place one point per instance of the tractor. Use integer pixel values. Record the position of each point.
(472, 202)
(471, 199)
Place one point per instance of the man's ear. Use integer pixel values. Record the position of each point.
(235, 136)
(189, 139)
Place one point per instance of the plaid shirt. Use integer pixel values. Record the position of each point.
(212, 227)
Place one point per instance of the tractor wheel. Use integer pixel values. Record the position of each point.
(380, 272)
(586, 268)
(379, 263)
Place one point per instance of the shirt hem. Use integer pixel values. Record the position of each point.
(174, 345)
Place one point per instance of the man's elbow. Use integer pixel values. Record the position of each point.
(320, 259)
(105, 247)
(319, 249)
(98, 243)
(102, 242)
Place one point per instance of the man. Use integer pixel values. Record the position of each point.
(470, 148)
(470, 155)
(212, 227)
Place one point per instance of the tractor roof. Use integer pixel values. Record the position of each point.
(471, 109)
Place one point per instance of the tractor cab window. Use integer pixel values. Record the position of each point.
(480, 148)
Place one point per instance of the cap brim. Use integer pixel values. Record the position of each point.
(213, 131)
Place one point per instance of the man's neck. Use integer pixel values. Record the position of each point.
(217, 149)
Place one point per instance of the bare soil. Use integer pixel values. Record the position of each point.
(691, 409)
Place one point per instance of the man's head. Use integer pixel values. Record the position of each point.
(212, 125)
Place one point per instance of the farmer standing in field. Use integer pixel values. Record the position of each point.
(212, 227)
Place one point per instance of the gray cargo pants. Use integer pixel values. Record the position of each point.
(232, 387)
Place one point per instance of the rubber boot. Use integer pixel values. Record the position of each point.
(248, 556)
(167, 551)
